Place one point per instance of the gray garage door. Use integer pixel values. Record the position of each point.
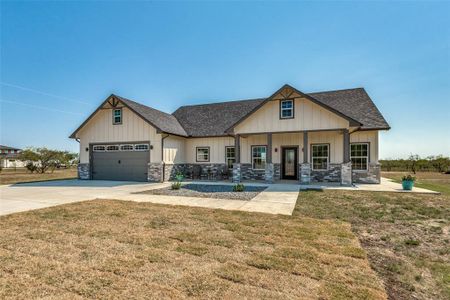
(126, 162)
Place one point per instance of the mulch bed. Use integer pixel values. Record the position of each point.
(209, 191)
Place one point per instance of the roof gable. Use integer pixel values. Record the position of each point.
(162, 121)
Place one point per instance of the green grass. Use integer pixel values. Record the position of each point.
(437, 182)
(405, 236)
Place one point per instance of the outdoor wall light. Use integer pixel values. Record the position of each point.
(151, 147)
(276, 149)
(87, 149)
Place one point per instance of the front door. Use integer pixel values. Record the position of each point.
(289, 162)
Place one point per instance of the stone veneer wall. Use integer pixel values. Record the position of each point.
(305, 173)
(84, 171)
(276, 171)
(333, 174)
(171, 170)
(247, 173)
(372, 175)
(154, 172)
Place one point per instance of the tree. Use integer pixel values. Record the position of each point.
(413, 159)
(43, 159)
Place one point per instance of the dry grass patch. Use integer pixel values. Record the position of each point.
(11, 176)
(405, 235)
(99, 249)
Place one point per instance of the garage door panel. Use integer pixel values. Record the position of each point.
(120, 165)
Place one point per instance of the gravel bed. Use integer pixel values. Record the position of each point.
(209, 191)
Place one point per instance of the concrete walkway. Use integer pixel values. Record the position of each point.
(386, 185)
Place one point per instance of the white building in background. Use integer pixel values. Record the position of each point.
(9, 157)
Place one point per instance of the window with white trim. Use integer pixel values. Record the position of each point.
(202, 154)
(230, 156)
(99, 148)
(127, 147)
(112, 148)
(117, 116)
(259, 157)
(141, 147)
(286, 109)
(320, 156)
(359, 155)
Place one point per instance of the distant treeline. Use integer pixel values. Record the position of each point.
(415, 164)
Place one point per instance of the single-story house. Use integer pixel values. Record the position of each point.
(327, 136)
(9, 157)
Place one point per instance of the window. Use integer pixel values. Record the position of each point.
(117, 116)
(126, 147)
(202, 154)
(259, 157)
(320, 156)
(286, 109)
(99, 148)
(359, 155)
(141, 147)
(112, 148)
(230, 156)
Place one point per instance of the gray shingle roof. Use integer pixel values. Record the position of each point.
(356, 104)
(215, 118)
(164, 122)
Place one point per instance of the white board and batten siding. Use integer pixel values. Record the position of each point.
(100, 129)
(307, 116)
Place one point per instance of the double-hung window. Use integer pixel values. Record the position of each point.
(320, 156)
(286, 109)
(202, 154)
(117, 116)
(259, 157)
(359, 155)
(230, 156)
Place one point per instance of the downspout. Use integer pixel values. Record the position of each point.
(162, 155)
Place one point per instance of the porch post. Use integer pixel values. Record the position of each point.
(237, 154)
(268, 175)
(305, 167)
(346, 168)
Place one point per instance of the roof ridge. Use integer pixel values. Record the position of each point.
(222, 102)
(334, 91)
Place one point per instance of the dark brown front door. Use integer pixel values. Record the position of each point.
(289, 162)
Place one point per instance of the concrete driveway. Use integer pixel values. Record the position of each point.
(27, 196)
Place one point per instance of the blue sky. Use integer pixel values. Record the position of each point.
(60, 60)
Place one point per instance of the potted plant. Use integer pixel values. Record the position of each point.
(408, 182)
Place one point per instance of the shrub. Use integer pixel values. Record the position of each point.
(408, 177)
(176, 185)
(238, 187)
(179, 177)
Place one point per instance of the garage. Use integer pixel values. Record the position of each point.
(126, 162)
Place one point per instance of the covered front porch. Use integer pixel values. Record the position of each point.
(303, 156)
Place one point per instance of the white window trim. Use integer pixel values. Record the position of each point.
(229, 158)
(283, 109)
(93, 148)
(252, 157)
(208, 153)
(368, 156)
(114, 116)
(132, 147)
(118, 148)
(327, 157)
(136, 146)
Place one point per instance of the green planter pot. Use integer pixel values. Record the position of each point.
(407, 184)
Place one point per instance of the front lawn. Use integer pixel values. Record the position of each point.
(118, 249)
(406, 236)
(11, 176)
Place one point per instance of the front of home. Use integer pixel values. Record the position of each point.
(9, 157)
(318, 137)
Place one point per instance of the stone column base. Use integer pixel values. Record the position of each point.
(154, 172)
(346, 173)
(236, 172)
(268, 174)
(84, 171)
(305, 173)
